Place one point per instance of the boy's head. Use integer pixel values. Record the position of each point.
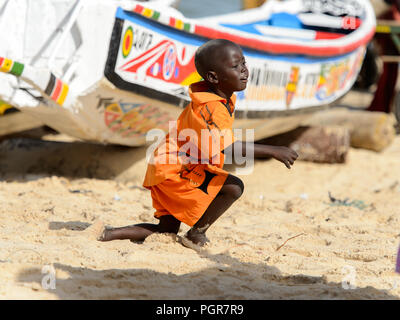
(221, 63)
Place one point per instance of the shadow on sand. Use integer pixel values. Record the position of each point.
(229, 278)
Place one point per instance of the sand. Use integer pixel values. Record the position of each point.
(283, 239)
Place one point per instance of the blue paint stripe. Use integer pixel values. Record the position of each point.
(195, 40)
(292, 58)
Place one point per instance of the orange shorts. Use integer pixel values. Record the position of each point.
(187, 196)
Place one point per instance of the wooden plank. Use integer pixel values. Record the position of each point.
(389, 23)
(325, 144)
(368, 130)
(16, 122)
(390, 58)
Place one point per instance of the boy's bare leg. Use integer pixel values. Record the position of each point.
(139, 232)
(229, 193)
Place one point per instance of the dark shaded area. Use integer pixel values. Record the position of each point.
(36, 133)
(22, 157)
(385, 46)
(241, 280)
(369, 73)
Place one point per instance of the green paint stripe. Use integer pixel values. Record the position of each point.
(156, 15)
(17, 69)
(186, 27)
(396, 41)
(114, 122)
(394, 29)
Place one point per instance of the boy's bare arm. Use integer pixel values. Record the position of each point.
(261, 151)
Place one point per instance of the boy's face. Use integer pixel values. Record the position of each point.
(231, 69)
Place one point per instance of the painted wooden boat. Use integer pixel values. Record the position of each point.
(125, 70)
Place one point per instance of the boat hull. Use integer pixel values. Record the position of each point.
(132, 75)
(147, 56)
(112, 115)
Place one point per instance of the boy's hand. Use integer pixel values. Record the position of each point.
(285, 155)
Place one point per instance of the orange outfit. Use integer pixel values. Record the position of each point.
(185, 173)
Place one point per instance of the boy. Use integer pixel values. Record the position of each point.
(194, 188)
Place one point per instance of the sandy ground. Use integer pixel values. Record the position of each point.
(284, 239)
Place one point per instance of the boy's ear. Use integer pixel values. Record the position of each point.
(212, 77)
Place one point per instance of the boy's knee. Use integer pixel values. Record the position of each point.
(235, 187)
(240, 189)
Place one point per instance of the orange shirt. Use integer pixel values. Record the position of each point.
(202, 132)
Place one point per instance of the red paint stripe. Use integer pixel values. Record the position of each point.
(151, 53)
(172, 21)
(57, 90)
(138, 8)
(320, 35)
(1, 60)
(143, 54)
(279, 48)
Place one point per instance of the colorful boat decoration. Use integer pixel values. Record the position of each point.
(119, 74)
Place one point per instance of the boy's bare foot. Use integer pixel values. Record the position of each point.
(196, 237)
(97, 231)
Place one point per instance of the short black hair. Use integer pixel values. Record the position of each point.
(206, 55)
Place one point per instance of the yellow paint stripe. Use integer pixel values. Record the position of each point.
(114, 107)
(147, 12)
(193, 77)
(4, 106)
(63, 95)
(291, 87)
(179, 24)
(382, 29)
(7, 65)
